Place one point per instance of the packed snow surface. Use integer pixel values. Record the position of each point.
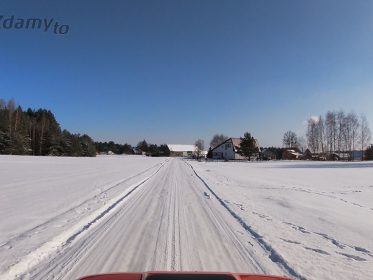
(62, 218)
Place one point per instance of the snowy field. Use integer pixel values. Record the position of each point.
(317, 216)
(62, 218)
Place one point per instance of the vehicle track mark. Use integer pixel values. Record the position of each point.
(108, 209)
(31, 261)
(36, 229)
(273, 254)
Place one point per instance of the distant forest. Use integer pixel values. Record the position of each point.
(142, 147)
(37, 132)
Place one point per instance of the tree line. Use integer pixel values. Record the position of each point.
(37, 132)
(119, 149)
(153, 150)
(338, 132)
(142, 148)
(335, 133)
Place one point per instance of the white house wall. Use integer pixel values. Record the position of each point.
(225, 150)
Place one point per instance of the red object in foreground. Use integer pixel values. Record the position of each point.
(174, 275)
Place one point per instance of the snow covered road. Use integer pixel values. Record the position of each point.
(135, 214)
(168, 221)
(167, 224)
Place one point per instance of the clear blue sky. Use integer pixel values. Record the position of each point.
(175, 71)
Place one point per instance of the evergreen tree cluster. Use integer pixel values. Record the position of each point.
(369, 153)
(119, 149)
(248, 146)
(153, 150)
(275, 151)
(37, 132)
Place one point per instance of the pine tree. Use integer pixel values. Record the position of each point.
(143, 146)
(248, 146)
(5, 143)
(164, 151)
(369, 153)
(209, 153)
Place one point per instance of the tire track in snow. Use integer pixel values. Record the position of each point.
(174, 225)
(70, 260)
(30, 232)
(228, 233)
(157, 243)
(65, 261)
(273, 254)
(32, 259)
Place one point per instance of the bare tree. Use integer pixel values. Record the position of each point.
(331, 130)
(321, 134)
(302, 143)
(341, 131)
(200, 145)
(337, 133)
(217, 139)
(43, 126)
(351, 131)
(355, 124)
(312, 135)
(365, 134)
(290, 139)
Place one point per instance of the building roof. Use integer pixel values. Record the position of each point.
(236, 143)
(293, 152)
(181, 148)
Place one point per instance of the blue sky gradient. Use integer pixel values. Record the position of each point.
(175, 71)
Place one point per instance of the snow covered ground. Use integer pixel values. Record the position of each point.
(317, 216)
(62, 218)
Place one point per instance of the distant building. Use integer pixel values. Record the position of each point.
(203, 154)
(333, 156)
(291, 155)
(348, 156)
(177, 150)
(227, 150)
(110, 153)
(138, 152)
(357, 155)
